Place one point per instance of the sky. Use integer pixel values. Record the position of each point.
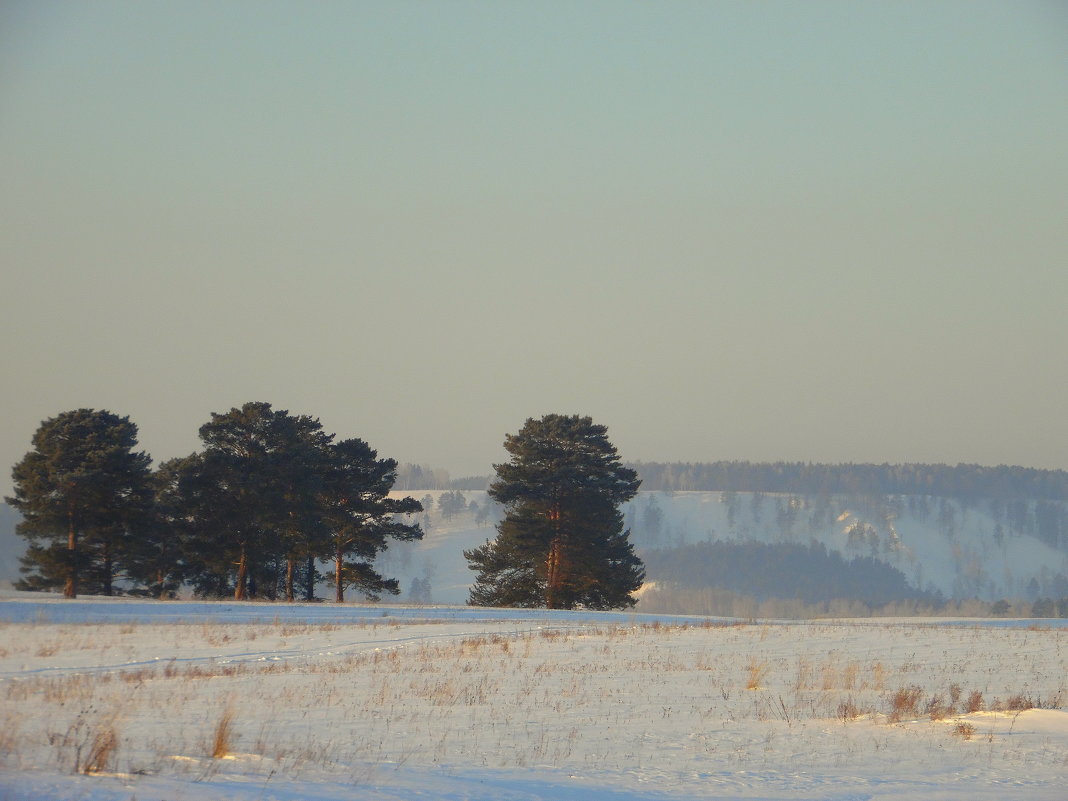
(825, 232)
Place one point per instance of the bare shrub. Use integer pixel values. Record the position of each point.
(964, 729)
(1019, 703)
(848, 710)
(975, 702)
(954, 696)
(905, 703)
(936, 708)
(849, 676)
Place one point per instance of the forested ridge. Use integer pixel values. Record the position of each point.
(809, 573)
(807, 478)
(959, 481)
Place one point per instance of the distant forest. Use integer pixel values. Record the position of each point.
(799, 478)
(966, 481)
(808, 573)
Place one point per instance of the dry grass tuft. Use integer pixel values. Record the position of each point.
(1019, 703)
(102, 751)
(756, 672)
(848, 710)
(905, 703)
(964, 729)
(937, 708)
(222, 741)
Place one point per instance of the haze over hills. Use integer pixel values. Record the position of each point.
(941, 546)
(985, 533)
(957, 532)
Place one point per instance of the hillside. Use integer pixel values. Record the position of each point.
(11, 547)
(959, 548)
(955, 547)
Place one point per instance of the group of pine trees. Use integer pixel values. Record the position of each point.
(271, 496)
(268, 498)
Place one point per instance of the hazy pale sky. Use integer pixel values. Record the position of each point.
(826, 231)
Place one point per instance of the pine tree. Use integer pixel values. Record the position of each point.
(252, 499)
(157, 562)
(561, 543)
(84, 495)
(361, 517)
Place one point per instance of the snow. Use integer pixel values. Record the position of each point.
(406, 703)
(943, 545)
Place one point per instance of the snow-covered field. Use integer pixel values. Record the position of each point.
(139, 700)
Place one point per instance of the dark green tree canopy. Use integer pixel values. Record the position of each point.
(361, 517)
(272, 494)
(561, 543)
(83, 492)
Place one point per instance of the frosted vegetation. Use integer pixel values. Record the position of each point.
(120, 699)
(946, 547)
(958, 549)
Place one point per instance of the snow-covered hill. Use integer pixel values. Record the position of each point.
(11, 546)
(986, 551)
(961, 550)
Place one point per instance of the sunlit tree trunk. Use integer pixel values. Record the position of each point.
(240, 591)
(339, 587)
(70, 587)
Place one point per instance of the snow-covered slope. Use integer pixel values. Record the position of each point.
(11, 546)
(963, 551)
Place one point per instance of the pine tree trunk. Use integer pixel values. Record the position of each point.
(108, 569)
(70, 587)
(339, 587)
(309, 587)
(242, 576)
(289, 578)
(552, 583)
(554, 562)
(159, 581)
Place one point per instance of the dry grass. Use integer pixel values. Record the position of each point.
(937, 709)
(102, 751)
(756, 672)
(222, 740)
(905, 704)
(964, 730)
(1019, 703)
(499, 697)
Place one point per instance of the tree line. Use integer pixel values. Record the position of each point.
(808, 573)
(269, 497)
(966, 481)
